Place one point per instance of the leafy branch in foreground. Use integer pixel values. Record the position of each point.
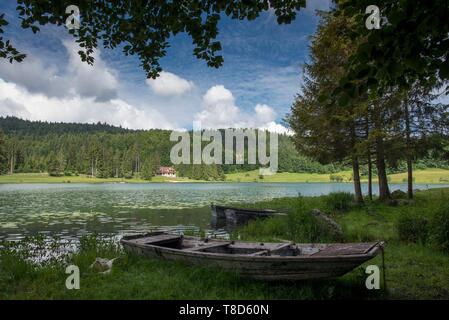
(7, 50)
(143, 28)
(412, 44)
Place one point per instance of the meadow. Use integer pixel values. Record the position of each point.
(414, 269)
(429, 176)
(426, 176)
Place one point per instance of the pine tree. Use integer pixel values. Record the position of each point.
(148, 169)
(105, 164)
(323, 129)
(3, 154)
(56, 164)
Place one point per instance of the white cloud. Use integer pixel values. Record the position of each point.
(33, 75)
(10, 107)
(220, 111)
(169, 84)
(71, 92)
(218, 95)
(89, 81)
(71, 78)
(276, 127)
(264, 113)
(18, 101)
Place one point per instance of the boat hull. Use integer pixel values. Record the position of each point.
(259, 267)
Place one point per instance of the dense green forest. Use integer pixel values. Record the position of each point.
(105, 151)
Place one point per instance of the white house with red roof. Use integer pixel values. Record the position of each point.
(166, 172)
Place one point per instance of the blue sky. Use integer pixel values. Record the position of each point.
(254, 88)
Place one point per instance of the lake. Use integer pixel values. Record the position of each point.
(73, 210)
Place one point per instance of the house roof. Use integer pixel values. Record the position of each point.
(167, 170)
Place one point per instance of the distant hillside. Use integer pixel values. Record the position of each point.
(13, 125)
(106, 151)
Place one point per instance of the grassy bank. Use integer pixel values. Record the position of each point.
(428, 176)
(134, 277)
(414, 270)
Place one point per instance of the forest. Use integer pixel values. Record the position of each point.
(105, 151)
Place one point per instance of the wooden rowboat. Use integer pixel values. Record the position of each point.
(228, 216)
(267, 261)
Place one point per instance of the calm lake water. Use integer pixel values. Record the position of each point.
(72, 210)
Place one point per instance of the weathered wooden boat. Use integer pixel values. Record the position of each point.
(267, 261)
(223, 216)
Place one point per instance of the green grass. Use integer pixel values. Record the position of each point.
(427, 176)
(413, 271)
(134, 277)
(253, 176)
(423, 176)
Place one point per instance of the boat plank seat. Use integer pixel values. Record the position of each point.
(211, 245)
(157, 239)
(270, 251)
(346, 249)
(260, 253)
(282, 246)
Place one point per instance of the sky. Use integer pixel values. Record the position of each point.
(255, 88)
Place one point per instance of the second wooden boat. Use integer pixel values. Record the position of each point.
(267, 261)
(223, 216)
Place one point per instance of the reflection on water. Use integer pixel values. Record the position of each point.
(73, 210)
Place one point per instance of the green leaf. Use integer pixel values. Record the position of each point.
(372, 82)
(322, 98)
(444, 70)
(343, 100)
(363, 72)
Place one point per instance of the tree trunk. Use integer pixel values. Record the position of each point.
(408, 153)
(138, 163)
(11, 164)
(368, 157)
(409, 178)
(384, 191)
(356, 179)
(355, 166)
(370, 175)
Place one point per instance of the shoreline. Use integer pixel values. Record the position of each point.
(214, 182)
(427, 176)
